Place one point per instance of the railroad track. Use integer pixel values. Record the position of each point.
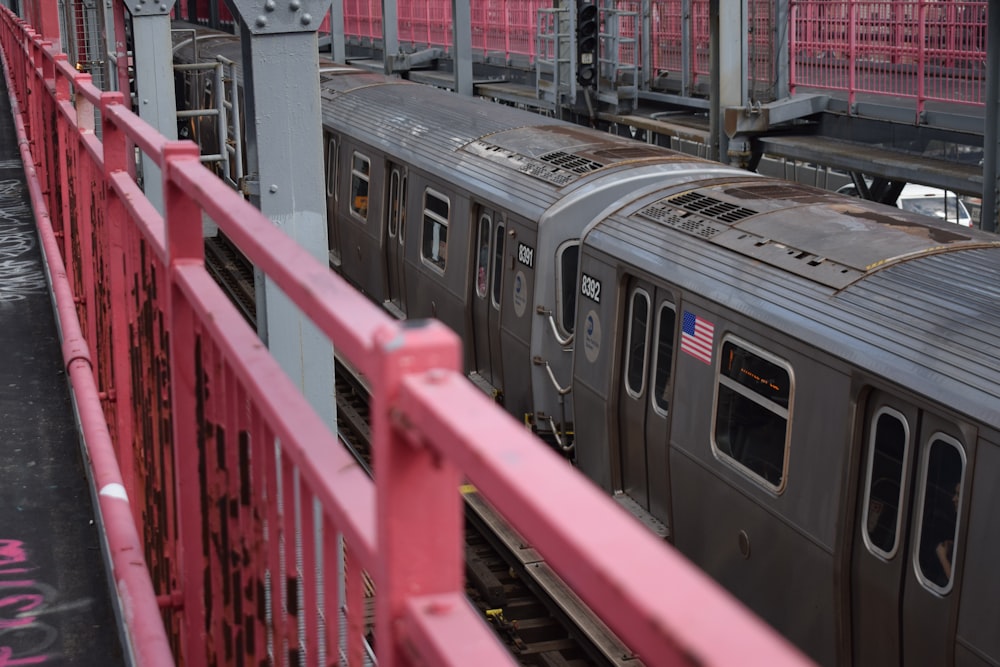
(539, 619)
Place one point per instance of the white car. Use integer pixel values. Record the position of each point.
(934, 202)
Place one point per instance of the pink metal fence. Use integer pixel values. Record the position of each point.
(919, 49)
(247, 499)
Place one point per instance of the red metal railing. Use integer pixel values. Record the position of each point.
(258, 526)
(920, 49)
(927, 50)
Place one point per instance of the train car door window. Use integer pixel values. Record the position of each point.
(942, 476)
(638, 343)
(434, 246)
(483, 255)
(394, 200)
(332, 228)
(402, 209)
(360, 168)
(753, 401)
(568, 261)
(663, 357)
(887, 458)
(331, 167)
(499, 236)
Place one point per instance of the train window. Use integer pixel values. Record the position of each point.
(435, 229)
(498, 239)
(887, 454)
(663, 356)
(638, 339)
(394, 184)
(331, 167)
(752, 411)
(942, 472)
(360, 168)
(483, 255)
(402, 209)
(568, 261)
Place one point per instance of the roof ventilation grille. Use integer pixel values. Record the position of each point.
(711, 207)
(574, 163)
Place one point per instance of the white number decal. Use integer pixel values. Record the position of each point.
(526, 255)
(590, 288)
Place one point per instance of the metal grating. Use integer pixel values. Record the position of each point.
(711, 207)
(558, 171)
(574, 163)
(687, 222)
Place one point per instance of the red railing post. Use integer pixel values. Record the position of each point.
(116, 162)
(419, 513)
(184, 246)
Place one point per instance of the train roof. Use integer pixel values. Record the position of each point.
(524, 159)
(917, 302)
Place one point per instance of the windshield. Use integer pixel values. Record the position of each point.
(935, 207)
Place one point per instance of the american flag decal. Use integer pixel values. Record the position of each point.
(696, 337)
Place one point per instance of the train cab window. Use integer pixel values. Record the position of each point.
(360, 169)
(568, 261)
(663, 359)
(498, 240)
(942, 477)
(483, 255)
(887, 454)
(638, 343)
(752, 412)
(434, 244)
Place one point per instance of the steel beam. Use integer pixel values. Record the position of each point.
(285, 172)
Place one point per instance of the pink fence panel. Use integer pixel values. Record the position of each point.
(924, 49)
(363, 19)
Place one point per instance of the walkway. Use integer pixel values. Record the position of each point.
(55, 605)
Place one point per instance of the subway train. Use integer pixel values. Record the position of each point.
(798, 389)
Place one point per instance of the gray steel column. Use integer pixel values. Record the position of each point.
(461, 25)
(154, 81)
(338, 41)
(285, 172)
(991, 129)
(728, 21)
(781, 55)
(390, 34)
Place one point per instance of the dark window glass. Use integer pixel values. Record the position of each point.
(331, 167)
(483, 256)
(497, 264)
(942, 494)
(435, 240)
(569, 261)
(635, 365)
(885, 477)
(394, 203)
(360, 167)
(402, 209)
(751, 421)
(664, 356)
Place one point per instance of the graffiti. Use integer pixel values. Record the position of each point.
(24, 638)
(19, 276)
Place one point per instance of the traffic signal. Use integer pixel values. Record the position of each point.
(586, 42)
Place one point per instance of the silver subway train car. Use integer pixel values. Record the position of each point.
(800, 390)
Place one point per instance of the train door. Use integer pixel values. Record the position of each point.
(395, 213)
(907, 531)
(485, 329)
(644, 396)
